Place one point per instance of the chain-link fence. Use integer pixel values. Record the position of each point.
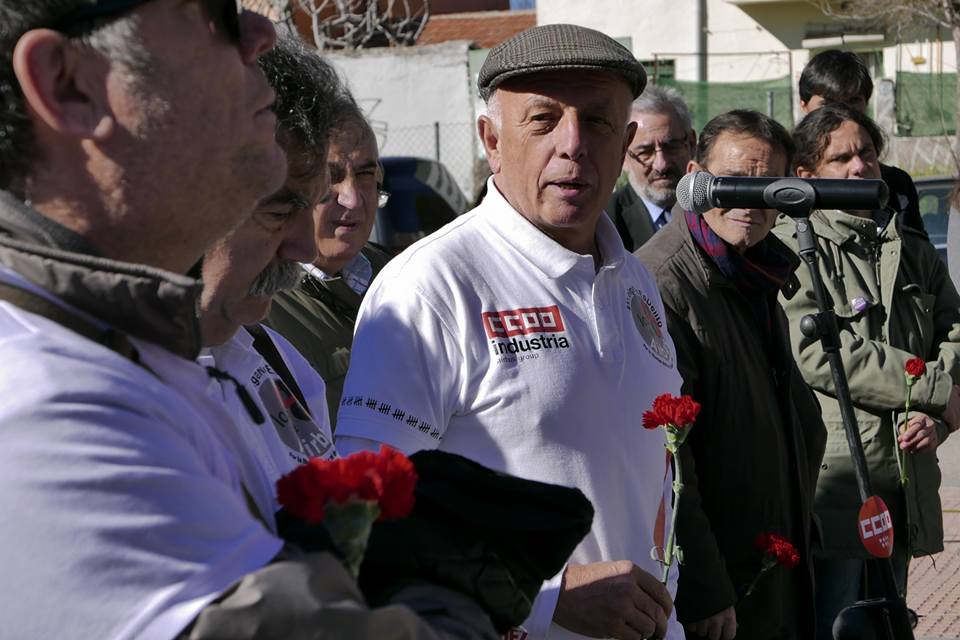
(452, 143)
(926, 103)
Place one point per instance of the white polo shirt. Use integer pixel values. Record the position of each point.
(289, 435)
(490, 340)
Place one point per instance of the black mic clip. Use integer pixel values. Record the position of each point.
(793, 197)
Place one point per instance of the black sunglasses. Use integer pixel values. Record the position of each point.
(225, 12)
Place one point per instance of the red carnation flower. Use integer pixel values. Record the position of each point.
(387, 478)
(915, 367)
(346, 495)
(359, 478)
(303, 492)
(668, 409)
(675, 415)
(778, 549)
(912, 371)
(399, 482)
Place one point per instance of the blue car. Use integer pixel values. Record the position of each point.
(935, 208)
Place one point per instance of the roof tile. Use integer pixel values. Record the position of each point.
(483, 28)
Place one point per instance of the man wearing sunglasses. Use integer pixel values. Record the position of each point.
(655, 162)
(132, 136)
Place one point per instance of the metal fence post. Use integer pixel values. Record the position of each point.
(436, 140)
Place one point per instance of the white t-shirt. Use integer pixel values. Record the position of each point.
(490, 340)
(289, 435)
(123, 514)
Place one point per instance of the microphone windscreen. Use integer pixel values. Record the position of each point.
(693, 191)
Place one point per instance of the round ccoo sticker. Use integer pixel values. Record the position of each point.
(876, 528)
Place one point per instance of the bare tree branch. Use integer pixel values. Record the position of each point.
(895, 14)
(900, 15)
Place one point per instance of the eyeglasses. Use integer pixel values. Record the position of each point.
(225, 12)
(645, 155)
(383, 197)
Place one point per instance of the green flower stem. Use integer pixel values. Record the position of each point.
(901, 458)
(767, 565)
(349, 527)
(674, 440)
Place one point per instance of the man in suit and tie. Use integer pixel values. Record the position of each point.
(656, 160)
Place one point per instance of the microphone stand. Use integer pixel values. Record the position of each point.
(886, 617)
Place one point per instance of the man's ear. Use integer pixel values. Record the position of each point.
(630, 132)
(63, 86)
(490, 138)
(804, 107)
(693, 165)
(803, 172)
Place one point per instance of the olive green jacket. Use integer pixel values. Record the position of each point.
(750, 462)
(318, 319)
(894, 300)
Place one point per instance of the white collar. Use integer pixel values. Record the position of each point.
(655, 209)
(241, 341)
(540, 249)
(357, 273)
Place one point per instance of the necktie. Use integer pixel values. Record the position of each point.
(661, 220)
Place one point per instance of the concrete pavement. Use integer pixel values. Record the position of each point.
(934, 584)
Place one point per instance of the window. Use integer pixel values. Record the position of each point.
(661, 70)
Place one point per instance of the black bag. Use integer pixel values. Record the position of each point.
(492, 536)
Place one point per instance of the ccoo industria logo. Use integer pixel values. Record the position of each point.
(524, 331)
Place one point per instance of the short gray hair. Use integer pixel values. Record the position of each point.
(661, 99)
(118, 39)
(115, 38)
(493, 108)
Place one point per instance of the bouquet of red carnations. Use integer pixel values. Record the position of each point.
(346, 495)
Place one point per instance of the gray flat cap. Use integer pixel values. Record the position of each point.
(555, 47)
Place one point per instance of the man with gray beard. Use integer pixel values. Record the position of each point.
(656, 160)
(263, 378)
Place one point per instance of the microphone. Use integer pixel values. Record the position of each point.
(701, 191)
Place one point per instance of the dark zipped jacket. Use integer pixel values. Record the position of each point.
(140, 301)
(750, 462)
(318, 318)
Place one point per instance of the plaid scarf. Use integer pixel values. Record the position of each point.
(758, 273)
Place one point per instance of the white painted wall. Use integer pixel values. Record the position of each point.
(931, 56)
(405, 90)
(669, 26)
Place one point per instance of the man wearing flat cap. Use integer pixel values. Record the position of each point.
(523, 336)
